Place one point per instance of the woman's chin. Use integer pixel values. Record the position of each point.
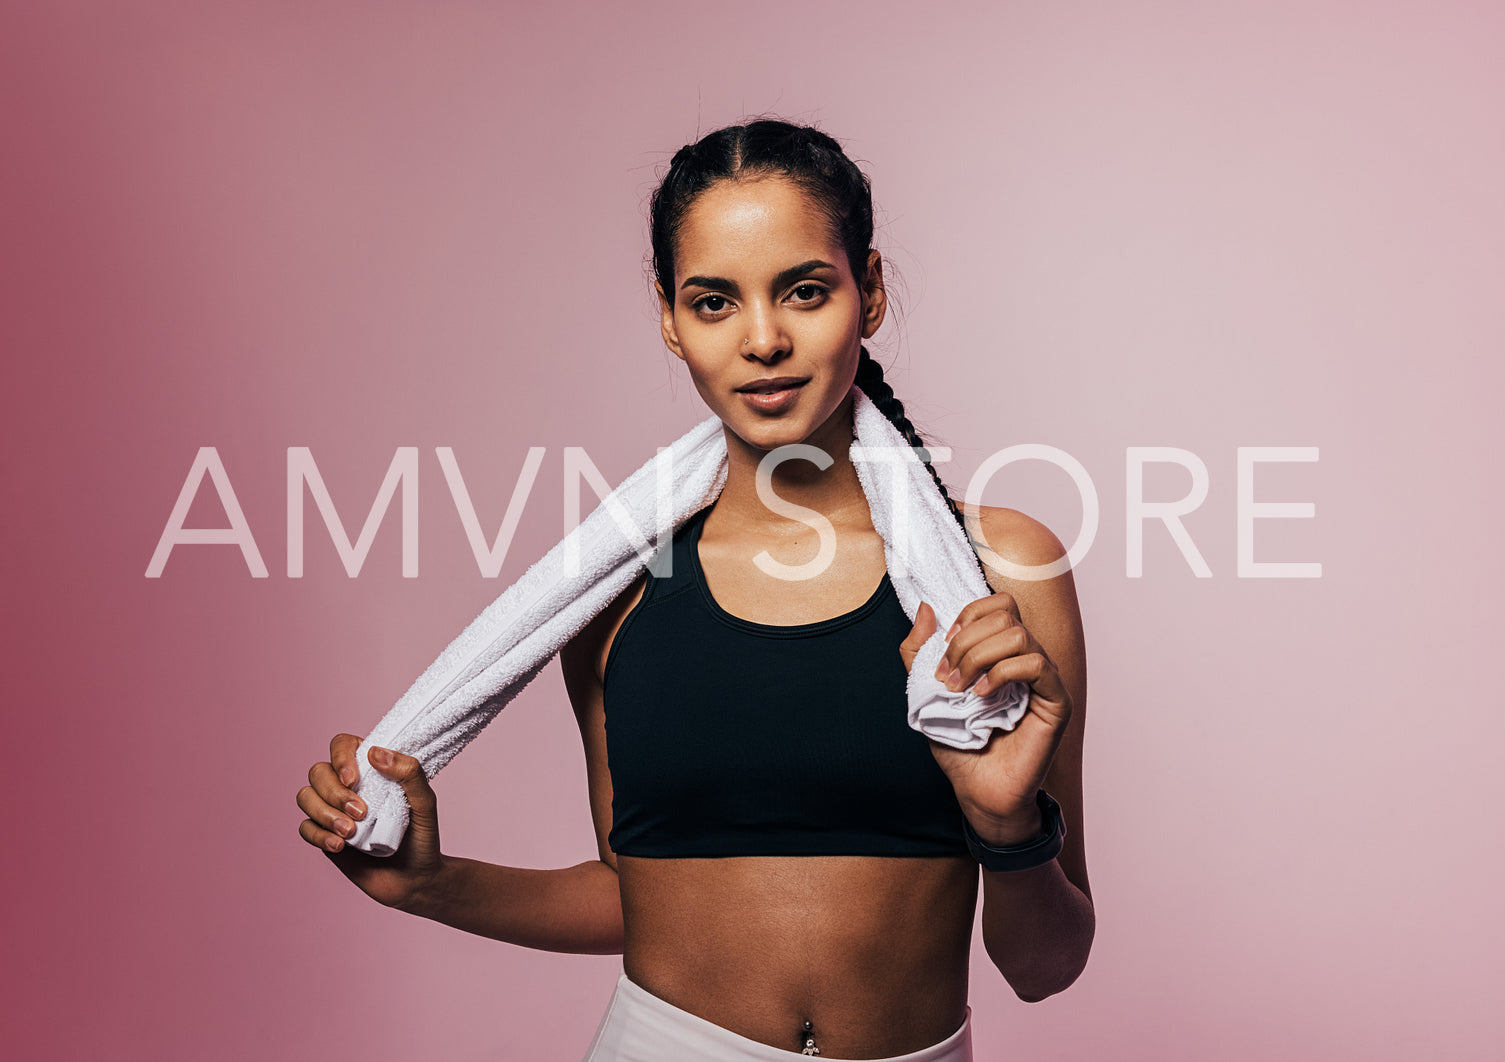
(769, 435)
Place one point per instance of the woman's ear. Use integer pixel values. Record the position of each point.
(874, 296)
(666, 322)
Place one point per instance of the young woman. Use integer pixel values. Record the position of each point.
(782, 880)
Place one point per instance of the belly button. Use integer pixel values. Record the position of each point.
(807, 1037)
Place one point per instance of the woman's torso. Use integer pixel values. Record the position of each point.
(733, 734)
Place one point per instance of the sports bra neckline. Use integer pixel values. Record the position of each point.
(774, 630)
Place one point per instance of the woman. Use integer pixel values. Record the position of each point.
(781, 880)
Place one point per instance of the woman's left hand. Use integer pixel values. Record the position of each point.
(990, 646)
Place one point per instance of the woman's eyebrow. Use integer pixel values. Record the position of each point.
(722, 284)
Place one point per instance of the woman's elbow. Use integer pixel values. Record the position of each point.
(1034, 990)
(1056, 970)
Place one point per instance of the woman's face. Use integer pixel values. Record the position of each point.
(763, 291)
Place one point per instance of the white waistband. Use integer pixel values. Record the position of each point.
(640, 1027)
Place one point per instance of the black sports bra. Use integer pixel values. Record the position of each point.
(729, 738)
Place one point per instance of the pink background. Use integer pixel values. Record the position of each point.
(355, 227)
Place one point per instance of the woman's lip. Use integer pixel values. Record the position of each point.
(779, 383)
(772, 401)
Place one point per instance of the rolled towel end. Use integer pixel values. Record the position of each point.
(961, 720)
(381, 831)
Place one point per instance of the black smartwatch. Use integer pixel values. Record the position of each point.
(1035, 852)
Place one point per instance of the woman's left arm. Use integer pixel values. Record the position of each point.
(1037, 924)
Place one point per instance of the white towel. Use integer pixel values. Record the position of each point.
(509, 643)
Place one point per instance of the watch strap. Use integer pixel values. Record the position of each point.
(1037, 851)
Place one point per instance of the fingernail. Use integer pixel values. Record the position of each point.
(984, 684)
(344, 827)
(954, 680)
(954, 628)
(347, 776)
(334, 844)
(381, 757)
(941, 670)
(354, 809)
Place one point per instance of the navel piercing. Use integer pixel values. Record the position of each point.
(808, 1035)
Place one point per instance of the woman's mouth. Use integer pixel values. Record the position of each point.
(773, 395)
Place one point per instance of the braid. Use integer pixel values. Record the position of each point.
(870, 379)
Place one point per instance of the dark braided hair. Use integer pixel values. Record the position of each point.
(815, 163)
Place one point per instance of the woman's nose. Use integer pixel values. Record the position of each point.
(765, 335)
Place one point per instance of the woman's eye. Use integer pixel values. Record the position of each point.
(711, 303)
(808, 292)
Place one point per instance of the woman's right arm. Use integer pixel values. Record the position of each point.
(575, 909)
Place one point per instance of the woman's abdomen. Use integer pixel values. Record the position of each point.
(872, 951)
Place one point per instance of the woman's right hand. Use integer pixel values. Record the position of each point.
(332, 807)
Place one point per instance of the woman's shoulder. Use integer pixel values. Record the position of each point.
(1015, 549)
(1017, 537)
(1046, 599)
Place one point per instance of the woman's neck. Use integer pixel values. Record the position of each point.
(833, 491)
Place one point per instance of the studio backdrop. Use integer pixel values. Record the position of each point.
(304, 304)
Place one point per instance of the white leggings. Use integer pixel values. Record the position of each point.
(640, 1027)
